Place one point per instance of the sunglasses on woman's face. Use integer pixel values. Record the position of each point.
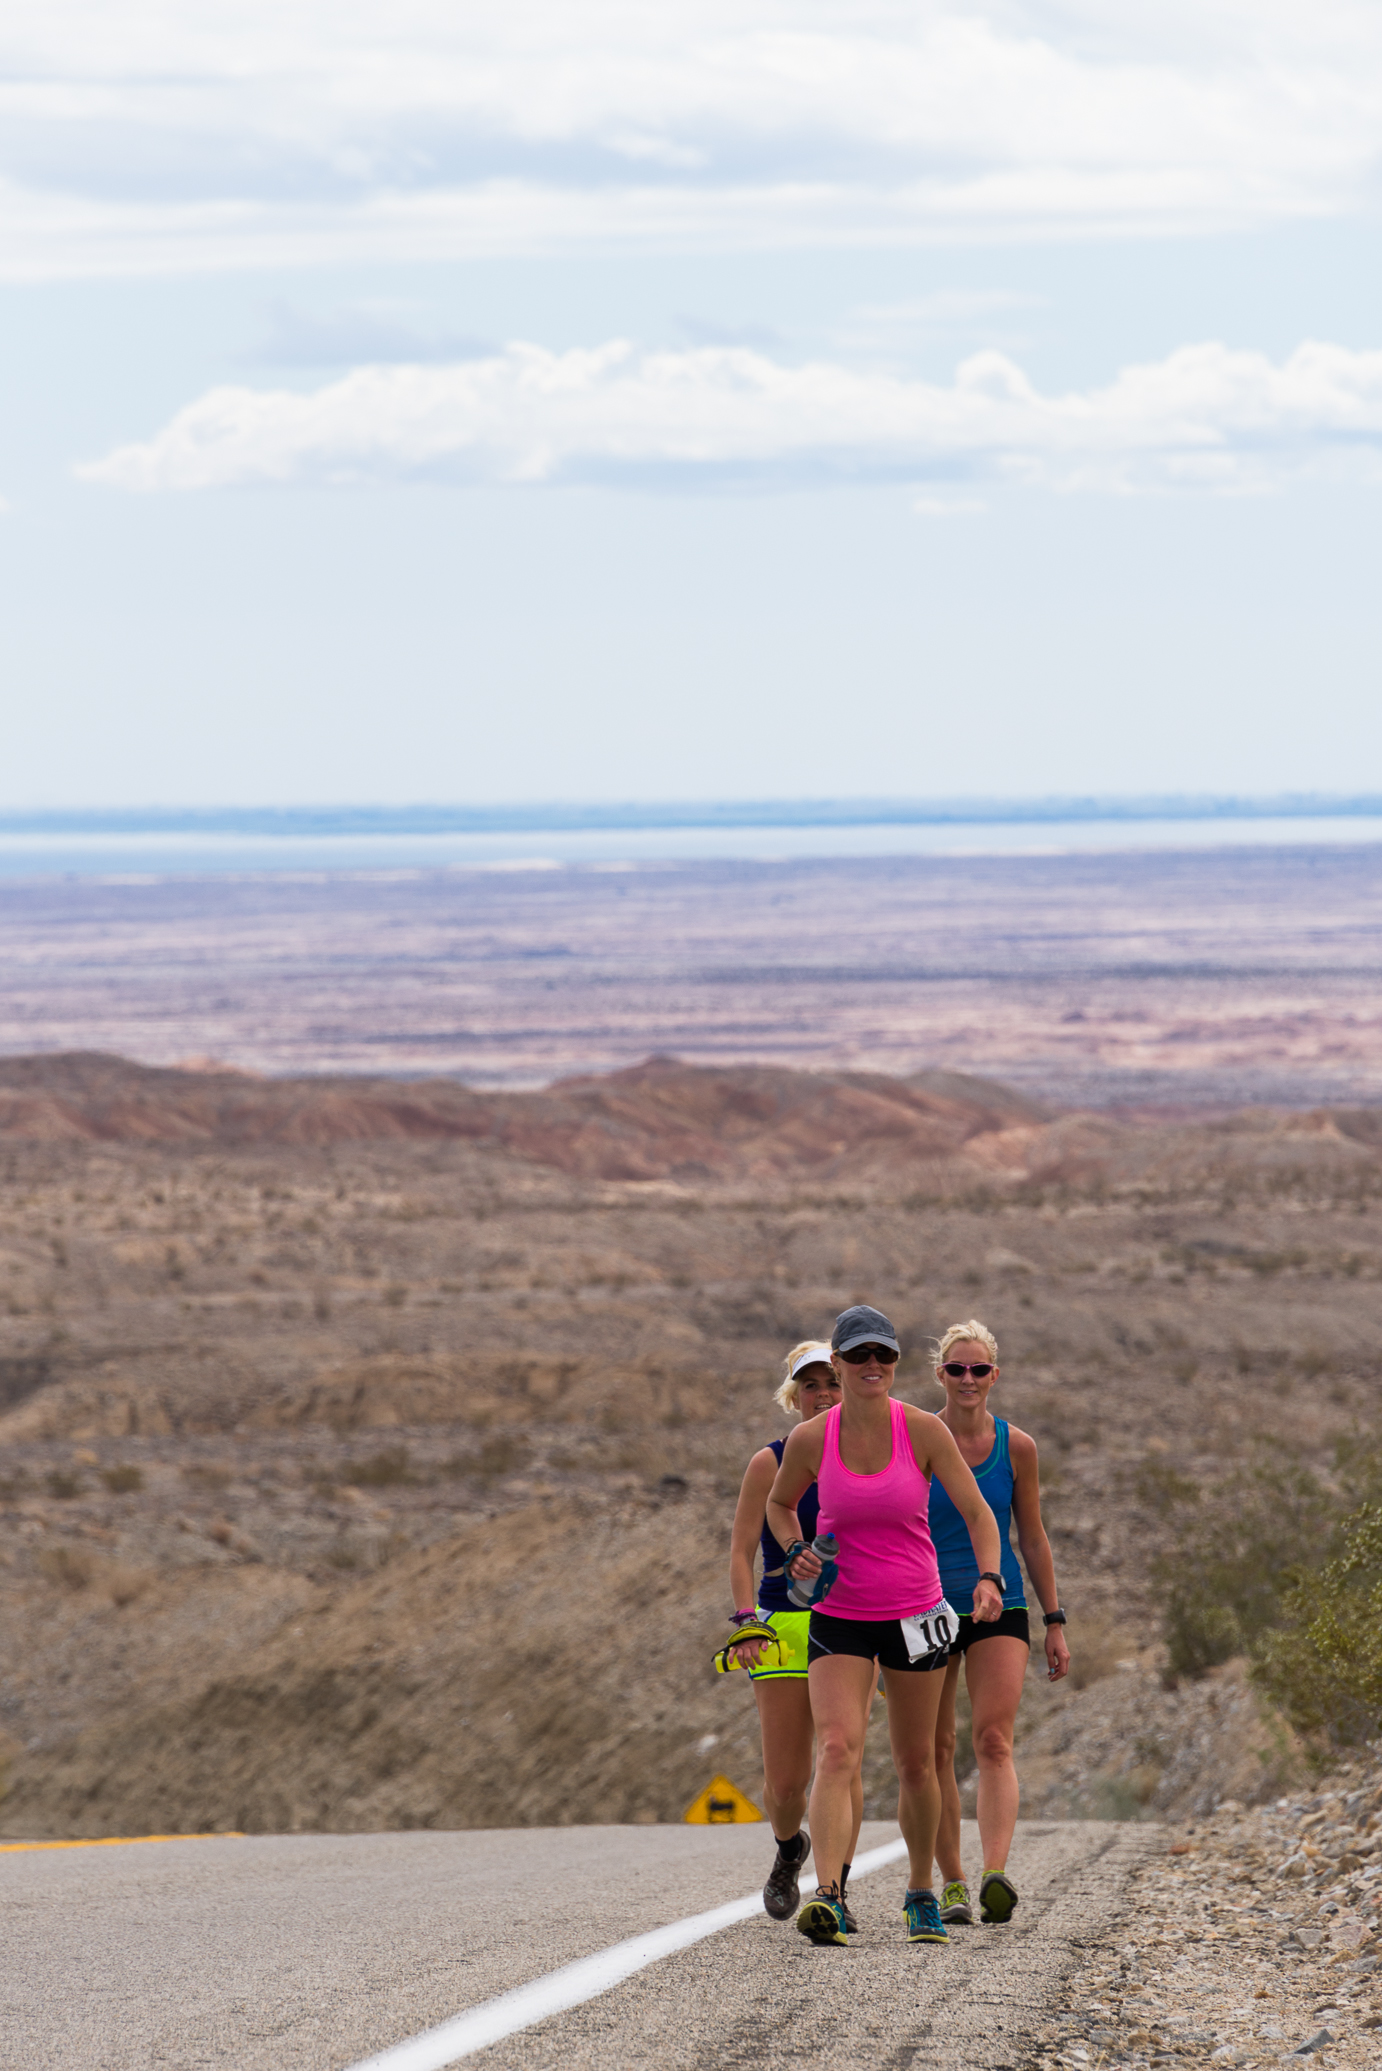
(859, 1355)
(957, 1372)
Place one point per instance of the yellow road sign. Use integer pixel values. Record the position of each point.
(721, 1803)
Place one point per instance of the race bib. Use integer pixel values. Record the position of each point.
(931, 1632)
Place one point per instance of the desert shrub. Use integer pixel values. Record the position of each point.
(123, 1480)
(63, 1486)
(1102, 1645)
(1358, 1462)
(1116, 1797)
(122, 1584)
(1158, 1486)
(501, 1455)
(66, 1565)
(207, 1477)
(383, 1470)
(1238, 1554)
(1323, 1665)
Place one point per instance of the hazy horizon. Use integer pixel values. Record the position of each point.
(270, 842)
(674, 811)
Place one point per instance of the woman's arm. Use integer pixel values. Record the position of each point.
(932, 1441)
(759, 1477)
(1034, 1545)
(801, 1463)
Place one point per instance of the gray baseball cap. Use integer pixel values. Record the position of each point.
(862, 1325)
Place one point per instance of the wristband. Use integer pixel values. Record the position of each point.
(747, 1617)
(998, 1579)
(1056, 1617)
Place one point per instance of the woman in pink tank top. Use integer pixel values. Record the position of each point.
(872, 1459)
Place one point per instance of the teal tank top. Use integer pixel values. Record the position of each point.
(950, 1533)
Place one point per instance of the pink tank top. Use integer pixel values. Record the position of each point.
(888, 1565)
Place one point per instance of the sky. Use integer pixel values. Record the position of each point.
(601, 402)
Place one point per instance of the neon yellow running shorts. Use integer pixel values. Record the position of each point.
(793, 1629)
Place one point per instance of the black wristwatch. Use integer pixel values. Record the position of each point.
(1056, 1617)
(992, 1578)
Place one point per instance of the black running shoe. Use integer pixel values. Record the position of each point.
(782, 1892)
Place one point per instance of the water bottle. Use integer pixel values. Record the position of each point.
(804, 1593)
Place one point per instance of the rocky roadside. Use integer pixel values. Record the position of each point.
(1251, 1937)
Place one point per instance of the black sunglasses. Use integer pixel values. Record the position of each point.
(957, 1372)
(857, 1355)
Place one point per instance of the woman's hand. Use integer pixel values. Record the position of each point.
(749, 1653)
(988, 1603)
(1057, 1653)
(803, 1566)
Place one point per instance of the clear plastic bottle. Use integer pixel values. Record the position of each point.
(804, 1593)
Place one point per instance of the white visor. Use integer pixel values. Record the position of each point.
(814, 1355)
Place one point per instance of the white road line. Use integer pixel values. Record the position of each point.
(574, 1983)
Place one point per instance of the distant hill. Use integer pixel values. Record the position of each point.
(658, 1120)
(681, 1123)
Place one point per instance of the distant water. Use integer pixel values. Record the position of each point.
(377, 839)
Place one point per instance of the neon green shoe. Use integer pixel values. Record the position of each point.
(956, 1908)
(822, 1920)
(997, 1898)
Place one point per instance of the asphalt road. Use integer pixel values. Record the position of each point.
(270, 1954)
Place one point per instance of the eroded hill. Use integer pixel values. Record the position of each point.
(357, 1473)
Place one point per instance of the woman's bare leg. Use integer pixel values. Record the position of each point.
(856, 1789)
(840, 1685)
(784, 1718)
(994, 1673)
(948, 1834)
(913, 1701)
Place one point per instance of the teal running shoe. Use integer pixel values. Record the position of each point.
(822, 1920)
(923, 1917)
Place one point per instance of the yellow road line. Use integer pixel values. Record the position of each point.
(113, 1841)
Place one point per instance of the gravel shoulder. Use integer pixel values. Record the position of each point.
(1247, 1938)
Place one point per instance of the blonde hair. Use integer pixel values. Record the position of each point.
(960, 1333)
(789, 1392)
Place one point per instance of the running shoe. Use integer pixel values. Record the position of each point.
(851, 1924)
(782, 1892)
(997, 1898)
(822, 1920)
(923, 1917)
(956, 1909)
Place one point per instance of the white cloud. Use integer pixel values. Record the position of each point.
(143, 134)
(1204, 418)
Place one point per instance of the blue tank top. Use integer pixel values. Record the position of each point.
(950, 1533)
(772, 1589)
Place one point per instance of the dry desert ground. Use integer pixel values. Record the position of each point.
(369, 1449)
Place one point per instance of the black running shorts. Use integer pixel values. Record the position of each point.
(871, 1639)
(1012, 1625)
